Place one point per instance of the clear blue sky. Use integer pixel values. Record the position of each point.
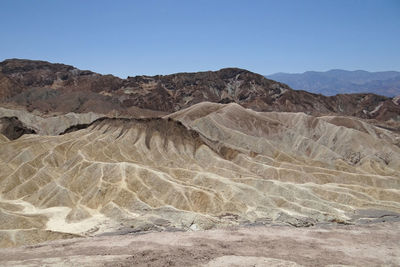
(159, 37)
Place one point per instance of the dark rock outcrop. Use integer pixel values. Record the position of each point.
(51, 87)
(12, 128)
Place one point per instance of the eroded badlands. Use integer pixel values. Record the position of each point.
(208, 166)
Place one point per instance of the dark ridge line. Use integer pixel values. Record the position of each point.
(395, 130)
(77, 127)
(199, 139)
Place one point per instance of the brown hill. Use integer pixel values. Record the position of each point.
(47, 87)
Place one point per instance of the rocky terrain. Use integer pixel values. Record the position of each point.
(365, 245)
(207, 166)
(49, 88)
(84, 154)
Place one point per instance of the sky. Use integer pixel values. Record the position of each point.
(127, 38)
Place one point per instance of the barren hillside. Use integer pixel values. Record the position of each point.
(211, 165)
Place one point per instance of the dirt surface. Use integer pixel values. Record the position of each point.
(323, 245)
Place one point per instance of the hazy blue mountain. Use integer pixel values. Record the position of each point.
(334, 82)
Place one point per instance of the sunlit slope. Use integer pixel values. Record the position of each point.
(202, 167)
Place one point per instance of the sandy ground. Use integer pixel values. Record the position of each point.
(362, 245)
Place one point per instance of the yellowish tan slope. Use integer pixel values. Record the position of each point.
(207, 166)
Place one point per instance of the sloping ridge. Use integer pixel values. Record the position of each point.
(211, 165)
(46, 125)
(46, 87)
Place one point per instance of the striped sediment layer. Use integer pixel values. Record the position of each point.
(211, 165)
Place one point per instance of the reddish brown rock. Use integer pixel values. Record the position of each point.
(51, 87)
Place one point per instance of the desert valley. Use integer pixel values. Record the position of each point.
(226, 157)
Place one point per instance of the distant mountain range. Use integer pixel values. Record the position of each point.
(337, 81)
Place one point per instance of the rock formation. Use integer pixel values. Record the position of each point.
(46, 87)
(210, 165)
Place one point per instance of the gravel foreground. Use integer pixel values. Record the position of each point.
(325, 245)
